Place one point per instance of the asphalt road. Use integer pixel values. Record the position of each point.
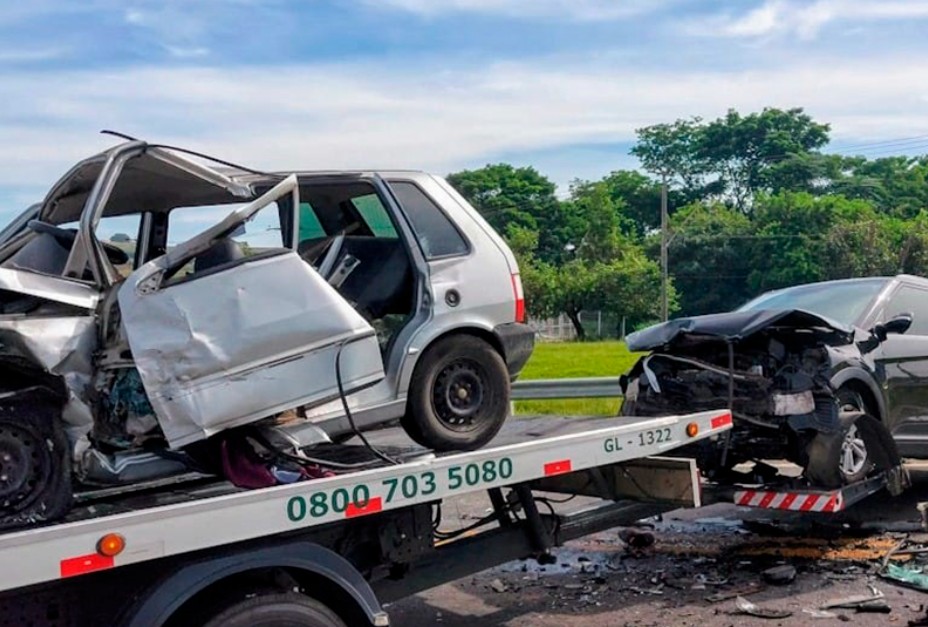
(716, 550)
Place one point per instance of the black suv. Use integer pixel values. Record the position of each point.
(832, 376)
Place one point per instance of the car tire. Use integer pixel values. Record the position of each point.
(35, 464)
(844, 457)
(282, 609)
(458, 395)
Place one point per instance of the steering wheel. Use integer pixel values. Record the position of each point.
(331, 255)
(66, 237)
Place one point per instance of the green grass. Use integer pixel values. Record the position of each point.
(567, 360)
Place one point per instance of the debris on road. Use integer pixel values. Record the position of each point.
(746, 607)
(725, 595)
(813, 613)
(636, 539)
(780, 575)
(498, 585)
(873, 602)
(912, 575)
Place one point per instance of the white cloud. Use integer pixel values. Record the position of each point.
(566, 9)
(371, 115)
(29, 55)
(805, 19)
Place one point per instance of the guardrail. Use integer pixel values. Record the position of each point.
(589, 387)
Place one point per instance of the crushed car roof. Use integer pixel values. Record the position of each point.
(729, 326)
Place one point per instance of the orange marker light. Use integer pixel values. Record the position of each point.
(111, 545)
(692, 429)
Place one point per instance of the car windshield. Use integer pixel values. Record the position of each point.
(841, 301)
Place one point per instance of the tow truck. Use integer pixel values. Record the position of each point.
(329, 552)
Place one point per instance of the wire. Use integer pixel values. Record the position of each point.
(193, 153)
(341, 394)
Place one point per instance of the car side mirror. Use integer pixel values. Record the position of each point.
(898, 324)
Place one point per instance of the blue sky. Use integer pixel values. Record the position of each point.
(440, 84)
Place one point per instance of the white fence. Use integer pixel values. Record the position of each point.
(597, 324)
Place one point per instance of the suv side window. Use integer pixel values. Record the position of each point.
(435, 232)
(913, 300)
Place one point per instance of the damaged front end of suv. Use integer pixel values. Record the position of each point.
(773, 369)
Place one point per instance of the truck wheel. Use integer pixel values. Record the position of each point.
(35, 471)
(283, 609)
(458, 395)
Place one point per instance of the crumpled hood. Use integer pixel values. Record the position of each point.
(732, 326)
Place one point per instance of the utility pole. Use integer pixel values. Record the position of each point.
(665, 241)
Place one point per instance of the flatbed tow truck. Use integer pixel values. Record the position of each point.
(328, 552)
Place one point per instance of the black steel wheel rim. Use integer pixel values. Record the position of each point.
(458, 394)
(23, 465)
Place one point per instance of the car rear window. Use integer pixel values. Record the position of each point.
(435, 232)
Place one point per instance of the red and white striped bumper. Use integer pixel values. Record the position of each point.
(791, 501)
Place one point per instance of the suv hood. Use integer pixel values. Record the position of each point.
(732, 326)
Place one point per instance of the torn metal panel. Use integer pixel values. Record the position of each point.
(241, 344)
(63, 346)
(50, 288)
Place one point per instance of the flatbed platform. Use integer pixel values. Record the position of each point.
(176, 518)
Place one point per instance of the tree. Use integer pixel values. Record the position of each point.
(636, 197)
(672, 152)
(709, 257)
(742, 151)
(509, 196)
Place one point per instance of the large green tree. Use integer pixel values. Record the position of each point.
(509, 196)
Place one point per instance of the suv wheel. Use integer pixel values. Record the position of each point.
(458, 396)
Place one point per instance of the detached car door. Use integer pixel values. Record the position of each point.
(253, 335)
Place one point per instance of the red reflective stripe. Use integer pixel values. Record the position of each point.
(85, 564)
(720, 421)
(557, 468)
(788, 500)
(764, 502)
(830, 505)
(373, 506)
(746, 497)
(811, 500)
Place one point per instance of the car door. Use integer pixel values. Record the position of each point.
(257, 333)
(902, 363)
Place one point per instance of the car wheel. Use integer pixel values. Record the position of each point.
(458, 395)
(35, 472)
(837, 459)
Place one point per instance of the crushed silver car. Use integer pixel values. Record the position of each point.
(121, 354)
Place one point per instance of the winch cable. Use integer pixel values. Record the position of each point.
(341, 394)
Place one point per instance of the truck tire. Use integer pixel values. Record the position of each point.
(282, 609)
(458, 395)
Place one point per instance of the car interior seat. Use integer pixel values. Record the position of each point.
(44, 253)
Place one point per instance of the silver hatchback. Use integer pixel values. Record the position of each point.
(151, 303)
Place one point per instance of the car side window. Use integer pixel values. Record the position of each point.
(120, 232)
(913, 300)
(261, 233)
(375, 215)
(435, 232)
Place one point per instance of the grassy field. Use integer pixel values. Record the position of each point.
(576, 359)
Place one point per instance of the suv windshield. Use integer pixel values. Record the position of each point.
(841, 301)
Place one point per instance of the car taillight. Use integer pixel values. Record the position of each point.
(519, 296)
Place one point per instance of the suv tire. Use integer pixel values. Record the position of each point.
(458, 395)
